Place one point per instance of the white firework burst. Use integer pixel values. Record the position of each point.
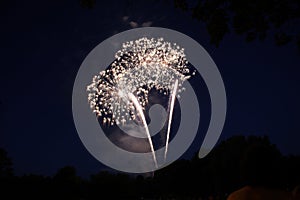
(140, 66)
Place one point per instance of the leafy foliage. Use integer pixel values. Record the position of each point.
(254, 19)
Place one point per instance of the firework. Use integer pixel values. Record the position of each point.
(140, 111)
(170, 113)
(140, 66)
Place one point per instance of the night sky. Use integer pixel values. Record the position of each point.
(43, 44)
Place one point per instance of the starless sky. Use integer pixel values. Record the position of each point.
(43, 44)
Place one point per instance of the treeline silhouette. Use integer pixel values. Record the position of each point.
(236, 162)
(255, 20)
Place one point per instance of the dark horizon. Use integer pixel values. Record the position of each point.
(236, 165)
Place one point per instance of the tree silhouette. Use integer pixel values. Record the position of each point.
(261, 165)
(116, 186)
(87, 3)
(66, 174)
(66, 183)
(292, 173)
(6, 169)
(234, 163)
(254, 19)
(6, 174)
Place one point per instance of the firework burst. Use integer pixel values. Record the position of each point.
(120, 93)
(140, 66)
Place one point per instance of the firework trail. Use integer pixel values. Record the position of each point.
(120, 93)
(140, 111)
(171, 107)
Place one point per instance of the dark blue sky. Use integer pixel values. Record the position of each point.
(44, 43)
